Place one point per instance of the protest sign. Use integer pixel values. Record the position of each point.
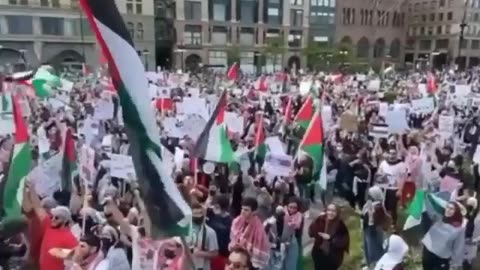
(103, 110)
(396, 119)
(373, 85)
(423, 105)
(234, 122)
(278, 165)
(121, 166)
(46, 176)
(87, 168)
(7, 125)
(379, 131)
(305, 87)
(192, 126)
(446, 125)
(275, 145)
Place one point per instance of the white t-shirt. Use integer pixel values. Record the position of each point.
(135, 253)
(394, 173)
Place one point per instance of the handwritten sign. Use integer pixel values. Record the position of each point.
(121, 166)
(279, 165)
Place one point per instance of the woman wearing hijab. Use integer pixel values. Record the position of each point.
(396, 250)
(444, 243)
(414, 165)
(472, 233)
(332, 239)
(375, 220)
(280, 236)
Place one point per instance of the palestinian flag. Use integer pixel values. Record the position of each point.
(312, 143)
(213, 143)
(305, 113)
(261, 84)
(69, 163)
(11, 189)
(44, 82)
(423, 203)
(232, 73)
(167, 210)
(260, 147)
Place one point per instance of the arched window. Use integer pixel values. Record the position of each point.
(139, 30)
(131, 29)
(363, 48)
(395, 48)
(379, 48)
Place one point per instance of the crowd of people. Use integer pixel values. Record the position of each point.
(401, 144)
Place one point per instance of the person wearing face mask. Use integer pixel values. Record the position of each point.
(115, 256)
(331, 238)
(280, 236)
(202, 241)
(220, 220)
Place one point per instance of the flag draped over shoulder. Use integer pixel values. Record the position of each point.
(11, 189)
(213, 143)
(169, 213)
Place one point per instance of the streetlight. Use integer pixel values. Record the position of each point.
(146, 53)
(343, 54)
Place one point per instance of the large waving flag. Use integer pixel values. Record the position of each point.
(312, 144)
(305, 113)
(423, 202)
(213, 143)
(11, 189)
(44, 82)
(166, 208)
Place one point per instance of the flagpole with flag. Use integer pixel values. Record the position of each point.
(170, 215)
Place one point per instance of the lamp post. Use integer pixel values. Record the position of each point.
(146, 53)
(461, 38)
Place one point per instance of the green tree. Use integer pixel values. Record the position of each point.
(275, 46)
(319, 55)
(233, 55)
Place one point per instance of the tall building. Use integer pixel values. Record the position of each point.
(322, 21)
(374, 29)
(164, 32)
(213, 32)
(55, 31)
(435, 31)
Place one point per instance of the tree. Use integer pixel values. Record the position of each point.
(233, 55)
(275, 46)
(319, 55)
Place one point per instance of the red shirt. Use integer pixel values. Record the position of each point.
(54, 238)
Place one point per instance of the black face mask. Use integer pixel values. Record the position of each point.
(279, 216)
(197, 220)
(212, 192)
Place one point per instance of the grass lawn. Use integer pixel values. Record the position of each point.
(353, 260)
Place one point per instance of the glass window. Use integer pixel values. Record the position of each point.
(273, 16)
(131, 29)
(219, 12)
(21, 25)
(432, 17)
(475, 44)
(296, 2)
(425, 45)
(332, 3)
(247, 62)
(56, 3)
(440, 16)
(219, 36)
(449, 16)
(331, 18)
(140, 30)
(217, 58)
(296, 17)
(44, 3)
(295, 39)
(129, 6)
(193, 10)
(52, 26)
(81, 27)
(439, 30)
(248, 11)
(442, 44)
(192, 35)
(139, 7)
(247, 37)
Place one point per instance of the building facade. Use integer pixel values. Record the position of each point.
(55, 31)
(322, 21)
(215, 32)
(435, 30)
(373, 29)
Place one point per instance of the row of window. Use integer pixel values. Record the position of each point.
(432, 5)
(380, 48)
(429, 30)
(372, 18)
(432, 17)
(134, 6)
(218, 35)
(248, 61)
(247, 12)
(441, 44)
(136, 30)
(43, 3)
(52, 26)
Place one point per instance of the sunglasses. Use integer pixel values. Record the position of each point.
(235, 265)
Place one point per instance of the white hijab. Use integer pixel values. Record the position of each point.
(397, 249)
